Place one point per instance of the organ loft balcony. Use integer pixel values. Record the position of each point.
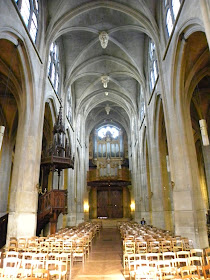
(108, 171)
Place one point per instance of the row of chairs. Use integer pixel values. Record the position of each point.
(151, 246)
(159, 254)
(63, 241)
(51, 266)
(54, 254)
(182, 258)
(150, 239)
(165, 273)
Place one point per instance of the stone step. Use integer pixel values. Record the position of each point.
(110, 223)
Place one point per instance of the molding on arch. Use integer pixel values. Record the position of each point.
(27, 97)
(53, 108)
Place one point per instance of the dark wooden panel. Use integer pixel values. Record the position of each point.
(3, 230)
(109, 203)
(102, 203)
(116, 203)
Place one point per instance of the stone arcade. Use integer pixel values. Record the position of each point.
(131, 109)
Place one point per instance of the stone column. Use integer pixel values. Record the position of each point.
(189, 213)
(206, 157)
(5, 173)
(23, 198)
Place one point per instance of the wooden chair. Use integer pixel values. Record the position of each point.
(141, 247)
(22, 244)
(13, 244)
(43, 274)
(153, 258)
(27, 265)
(166, 246)
(32, 245)
(44, 247)
(79, 252)
(169, 255)
(11, 267)
(137, 267)
(187, 244)
(183, 254)
(207, 252)
(154, 247)
(206, 271)
(63, 258)
(189, 272)
(145, 272)
(197, 253)
(167, 273)
(39, 260)
(11, 254)
(177, 245)
(179, 262)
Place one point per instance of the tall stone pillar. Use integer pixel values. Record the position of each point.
(5, 172)
(23, 198)
(189, 210)
(206, 157)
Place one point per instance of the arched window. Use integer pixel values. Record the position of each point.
(69, 106)
(169, 23)
(141, 104)
(153, 69)
(171, 8)
(53, 66)
(29, 10)
(114, 132)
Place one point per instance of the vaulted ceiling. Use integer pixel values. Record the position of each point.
(76, 26)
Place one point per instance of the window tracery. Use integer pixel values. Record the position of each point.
(69, 106)
(153, 69)
(29, 10)
(53, 66)
(171, 8)
(141, 104)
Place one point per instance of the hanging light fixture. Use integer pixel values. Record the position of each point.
(204, 132)
(106, 93)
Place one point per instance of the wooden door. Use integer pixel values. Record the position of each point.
(102, 203)
(109, 203)
(116, 204)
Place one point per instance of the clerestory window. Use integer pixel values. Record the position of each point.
(141, 104)
(171, 8)
(153, 68)
(29, 10)
(53, 66)
(69, 105)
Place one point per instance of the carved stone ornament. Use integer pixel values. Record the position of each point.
(107, 109)
(104, 38)
(105, 80)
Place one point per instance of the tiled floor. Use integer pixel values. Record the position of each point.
(105, 259)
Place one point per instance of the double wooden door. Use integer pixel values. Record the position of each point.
(110, 203)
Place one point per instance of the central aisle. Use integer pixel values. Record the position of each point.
(105, 259)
